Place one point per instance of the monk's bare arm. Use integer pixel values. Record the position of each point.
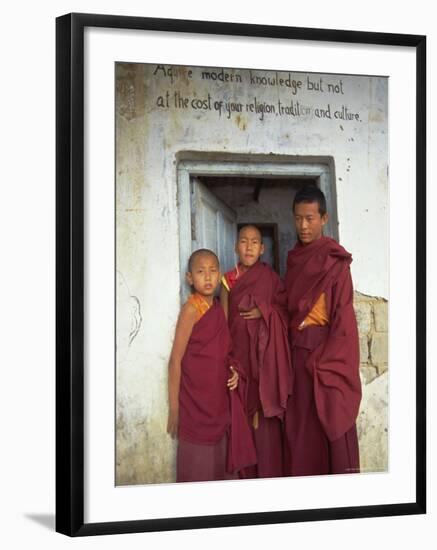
(184, 327)
(224, 299)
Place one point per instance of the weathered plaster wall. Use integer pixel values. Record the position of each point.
(159, 114)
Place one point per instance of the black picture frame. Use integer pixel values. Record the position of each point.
(70, 272)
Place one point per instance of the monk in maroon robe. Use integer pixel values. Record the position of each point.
(206, 407)
(255, 301)
(321, 415)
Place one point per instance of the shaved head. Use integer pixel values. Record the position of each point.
(250, 227)
(201, 252)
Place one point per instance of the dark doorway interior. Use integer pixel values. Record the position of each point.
(266, 203)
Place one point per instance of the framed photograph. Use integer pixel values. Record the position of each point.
(176, 141)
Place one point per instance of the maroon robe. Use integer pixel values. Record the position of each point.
(321, 415)
(214, 436)
(261, 347)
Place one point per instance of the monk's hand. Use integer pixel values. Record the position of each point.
(233, 380)
(253, 313)
(172, 423)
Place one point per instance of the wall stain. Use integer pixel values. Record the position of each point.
(241, 122)
(183, 74)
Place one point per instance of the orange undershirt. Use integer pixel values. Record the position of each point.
(318, 316)
(230, 277)
(199, 303)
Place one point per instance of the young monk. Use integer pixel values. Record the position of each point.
(320, 420)
(254, 300)
(214, 440)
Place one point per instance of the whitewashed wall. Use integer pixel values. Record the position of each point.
(157, 118)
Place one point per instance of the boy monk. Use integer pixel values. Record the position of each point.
(320, 420)
(214, 437)
(254, 300)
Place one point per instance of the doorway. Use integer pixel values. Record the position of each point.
(216, 198)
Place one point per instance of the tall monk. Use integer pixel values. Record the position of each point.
(206, 402)
(254, 300)
(320, 419)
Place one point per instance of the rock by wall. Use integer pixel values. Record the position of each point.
(372, 423)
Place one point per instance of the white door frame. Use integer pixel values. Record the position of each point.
(320, 168)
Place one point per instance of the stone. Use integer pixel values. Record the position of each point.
(379, 348)
(381, 368)
(364, 349)
(363, 313)
(372, 426)
(380, 310)
(367, 374)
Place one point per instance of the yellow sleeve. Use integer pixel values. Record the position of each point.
(318, 316)
(225, 283)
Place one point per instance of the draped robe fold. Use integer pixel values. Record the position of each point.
(214, 437)
(320, 419)
(261, 347)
